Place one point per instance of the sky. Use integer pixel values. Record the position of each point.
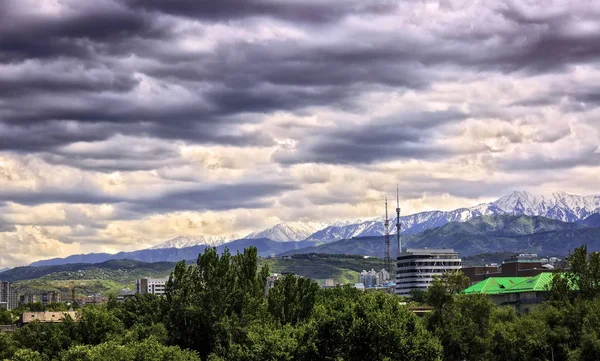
(124, 123)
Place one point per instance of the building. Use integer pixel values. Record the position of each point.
(47, 317)
(416, 268)
(384, 277)
(271, 280)
(369, 279)
(8, 296)
(155, 286)
(91, 300)
(50, 297)
(27, 299)
(522, 265)
(520, 293)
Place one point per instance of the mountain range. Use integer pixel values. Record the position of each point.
(266, 248)
(485, 234)
(559, 205)
(292, 236)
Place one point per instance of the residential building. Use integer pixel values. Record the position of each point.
(27, 299)
(47, 317)
(369, 279)
(520, 293)
(8, 296)
(384, 277)
(50, 297)
(155, 286)
(271, 280)
(416, 268)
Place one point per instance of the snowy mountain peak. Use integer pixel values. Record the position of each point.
(558, 205)
(190, 241)
(289, 231)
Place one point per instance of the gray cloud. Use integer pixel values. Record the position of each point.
(407, 136)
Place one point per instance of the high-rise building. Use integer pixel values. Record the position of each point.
(8, 296)
(155, 286)
(50, 297)
(369, 279)
(416, 268)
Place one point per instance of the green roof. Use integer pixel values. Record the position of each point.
(495, 285)
(540, 282)
(500, 285)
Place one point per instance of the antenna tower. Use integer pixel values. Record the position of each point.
(398, 224)
(387, 259)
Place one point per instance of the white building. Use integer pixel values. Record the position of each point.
(8, 296)
(369, 279)
(155, 286)
(416, 268)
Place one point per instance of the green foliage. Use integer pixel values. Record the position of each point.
(443, 288)
(462, 326)
(209, 304)
(351, 325)
(292, 299)
(6, 317)
(218, 310)
(27, 355)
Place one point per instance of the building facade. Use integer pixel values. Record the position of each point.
(155, 286)
(417, 268)
(50, 297)
(8, 296)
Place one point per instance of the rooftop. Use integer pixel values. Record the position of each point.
(502, 285)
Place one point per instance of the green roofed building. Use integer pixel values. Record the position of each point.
(521, 293)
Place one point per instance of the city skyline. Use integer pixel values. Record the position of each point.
(125, 122)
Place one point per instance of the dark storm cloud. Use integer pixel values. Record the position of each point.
(55, 195)
(220, 197)
(83, 32)
(407, 136)
(86, 64)
(323, 11)
(248, 194)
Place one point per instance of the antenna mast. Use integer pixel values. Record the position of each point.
(388, 259)
(398, 224)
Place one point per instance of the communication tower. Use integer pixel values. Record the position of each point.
(388, 254)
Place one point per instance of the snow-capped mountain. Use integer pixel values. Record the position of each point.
(190, 241)
(560, 205)
(289, 231)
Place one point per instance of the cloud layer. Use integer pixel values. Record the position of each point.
(128, 122)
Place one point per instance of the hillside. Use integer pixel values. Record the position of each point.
(120, 271)
(114, 275)
(341, 268)
(492, 233)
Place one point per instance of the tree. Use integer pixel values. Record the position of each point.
(292, 299)
(349, 325)
(97, 325)
(209, 304)
(5, 317)
(27, 355)
(462, 326)
(445, 287)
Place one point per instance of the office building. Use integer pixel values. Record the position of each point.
(155, 286)
(8, 296)
(416, 268)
